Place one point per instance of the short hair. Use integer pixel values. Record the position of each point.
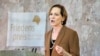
(63, 12)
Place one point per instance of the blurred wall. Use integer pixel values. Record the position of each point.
(83, 16)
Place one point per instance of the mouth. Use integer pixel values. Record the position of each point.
(52, 21)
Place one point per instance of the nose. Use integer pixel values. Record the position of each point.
(52, 16)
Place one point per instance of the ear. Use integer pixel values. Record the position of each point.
(63, 18)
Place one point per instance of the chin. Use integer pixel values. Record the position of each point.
(53, 25)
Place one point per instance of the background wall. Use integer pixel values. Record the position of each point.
(83, 17)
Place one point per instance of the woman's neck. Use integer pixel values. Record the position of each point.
(57, 28)
(56, 31)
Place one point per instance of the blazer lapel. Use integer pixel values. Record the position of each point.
(59, 38)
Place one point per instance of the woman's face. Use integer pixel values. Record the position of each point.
(55, 17)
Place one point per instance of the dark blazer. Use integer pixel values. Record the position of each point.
(67, 38)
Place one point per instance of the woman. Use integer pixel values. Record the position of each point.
(60, 40)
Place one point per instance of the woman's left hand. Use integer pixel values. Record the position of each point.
(59, 50)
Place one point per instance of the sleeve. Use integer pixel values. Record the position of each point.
(74, 44)
(46, 44)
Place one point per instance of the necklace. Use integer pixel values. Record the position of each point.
(52, 42)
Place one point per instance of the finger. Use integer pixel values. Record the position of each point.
(59, 50)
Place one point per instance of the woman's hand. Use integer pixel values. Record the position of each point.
(61, 51)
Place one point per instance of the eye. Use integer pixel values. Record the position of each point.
(56, 14)
(50, 14)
